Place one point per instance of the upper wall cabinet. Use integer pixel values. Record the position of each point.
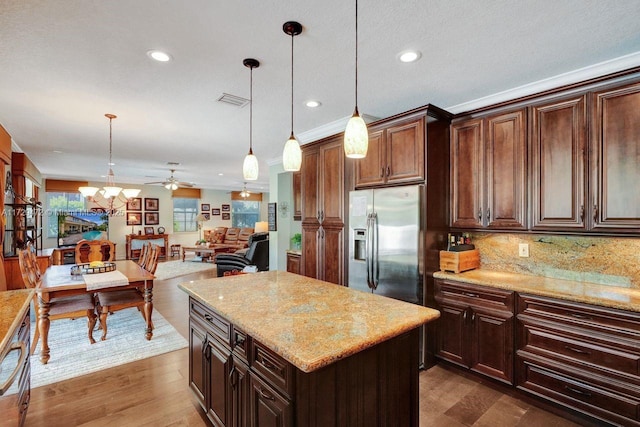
(395, 154)
(615, 170)
(557, 151)
(488, 172)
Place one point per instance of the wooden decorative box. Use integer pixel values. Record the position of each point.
(457, 262)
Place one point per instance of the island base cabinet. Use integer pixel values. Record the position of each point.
(241, 382)
(14, 405)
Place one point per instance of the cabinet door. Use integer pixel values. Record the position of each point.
(557, 164)
(197, 359)
(266, 407)
(332, 246)
(331, 183)
(309, 182)
(310, 251)
(615, 166)
(372, 169)
(293, 263)
(492, 344)
(239, 383)
(452, 335)
(505, 171)
(466, 174)
(220, 362)
(405, 152)
(297, 196)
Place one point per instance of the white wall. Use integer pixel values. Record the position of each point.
(281, 185)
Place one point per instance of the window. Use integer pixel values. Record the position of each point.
(58, 202)
(244, 213)
(184, 214)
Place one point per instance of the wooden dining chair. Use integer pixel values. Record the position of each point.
(71, 307)
(110, 302)
(144, 254)
(95, 250)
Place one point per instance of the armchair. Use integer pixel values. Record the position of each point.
(256, 254)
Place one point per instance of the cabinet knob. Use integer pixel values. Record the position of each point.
(480, 215)
(582, 212)
(488, 215)
(595, 213)
(382, 172)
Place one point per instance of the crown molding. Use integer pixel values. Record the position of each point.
(571, 77)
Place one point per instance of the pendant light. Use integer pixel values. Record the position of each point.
(250, 165)
(356, 136)
(292, 155)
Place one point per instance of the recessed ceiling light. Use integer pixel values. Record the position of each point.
(58, 152)
(313, 103)
(159, 55)
(220, 174)
(409, 56)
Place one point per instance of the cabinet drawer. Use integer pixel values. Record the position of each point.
(240, 344)
(272, 367)
(619, 323)
(579, 394)
(474, 295)
(587, 350)
(216, 325)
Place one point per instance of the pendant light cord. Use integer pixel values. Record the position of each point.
(356, 54)
(292, 35)
(251, 112)
(110, 143)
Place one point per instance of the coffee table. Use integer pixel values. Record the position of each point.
(203, 250)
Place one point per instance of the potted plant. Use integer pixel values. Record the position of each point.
(296, 241)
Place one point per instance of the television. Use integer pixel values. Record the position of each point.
(74, 226)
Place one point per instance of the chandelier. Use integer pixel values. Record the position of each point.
(110, 197)
(245, 193)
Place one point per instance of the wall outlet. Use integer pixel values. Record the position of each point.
(523, 250)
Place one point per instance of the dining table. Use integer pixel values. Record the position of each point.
(58, 281)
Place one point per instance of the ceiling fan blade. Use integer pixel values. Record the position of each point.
(184, 184)
(155, 182)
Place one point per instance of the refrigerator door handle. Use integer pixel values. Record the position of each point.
(375, 268)
(367, 249)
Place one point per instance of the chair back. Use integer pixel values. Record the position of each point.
(95, 250)
(29, 267)
(258, 254)
(152, 259)
(144, 255)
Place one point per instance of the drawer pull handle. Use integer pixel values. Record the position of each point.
(208, 317)
(580, 316)
(469, 294)
(576, 391)
(232, 378)
(577, 350)
(266, 394)
(268, 365)
(464, 316)
(239, 340)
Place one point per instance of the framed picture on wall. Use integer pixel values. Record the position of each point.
(215, 211)
(151, 218)
(226, 216)
(207, 216)
(134, 218)
(205, 207)
(148, 230)
(134, 204)
(226, 208)
(151, 204)
(272, 217)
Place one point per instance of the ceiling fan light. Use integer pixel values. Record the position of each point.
(356, 137)
(171, 186)
(292, 155)
(131, 192)
(112, 191)
(88, 191)
(250, 167)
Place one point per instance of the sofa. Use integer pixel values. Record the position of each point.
(256, 254)
(228, 239)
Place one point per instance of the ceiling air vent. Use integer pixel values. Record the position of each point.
(233, 100)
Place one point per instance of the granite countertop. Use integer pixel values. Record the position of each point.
(13, 306)
(308, 322)
(578, 291)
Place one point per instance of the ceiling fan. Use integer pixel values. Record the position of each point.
(172, 183)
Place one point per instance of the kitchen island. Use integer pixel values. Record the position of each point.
(276, 348)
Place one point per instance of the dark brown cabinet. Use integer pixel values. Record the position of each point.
(293, 262)
(297, 196)
(583, 357)
(14, 405)
(488, 172)
(475, 329)
(323, 210)
(615, 165)
(395, 154)
(557, 147)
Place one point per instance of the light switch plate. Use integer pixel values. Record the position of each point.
(523, 250)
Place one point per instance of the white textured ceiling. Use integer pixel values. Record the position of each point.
(65, 63)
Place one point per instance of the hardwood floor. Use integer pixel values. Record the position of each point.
(155, 391)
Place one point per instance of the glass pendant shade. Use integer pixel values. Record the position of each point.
(112, 191)
(356, 137)
(88, 191)
(292, 155)
(250, 167)
(131, 192)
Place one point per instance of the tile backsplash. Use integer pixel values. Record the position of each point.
(605, 260)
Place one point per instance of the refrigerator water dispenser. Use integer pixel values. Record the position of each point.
(359, 244)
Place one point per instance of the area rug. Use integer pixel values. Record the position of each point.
(72, 355)
(170, 269)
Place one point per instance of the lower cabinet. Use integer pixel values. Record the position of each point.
(583, 357)
(240, 382)
(475, 329)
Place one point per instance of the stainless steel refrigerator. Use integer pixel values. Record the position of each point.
(386, 241)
